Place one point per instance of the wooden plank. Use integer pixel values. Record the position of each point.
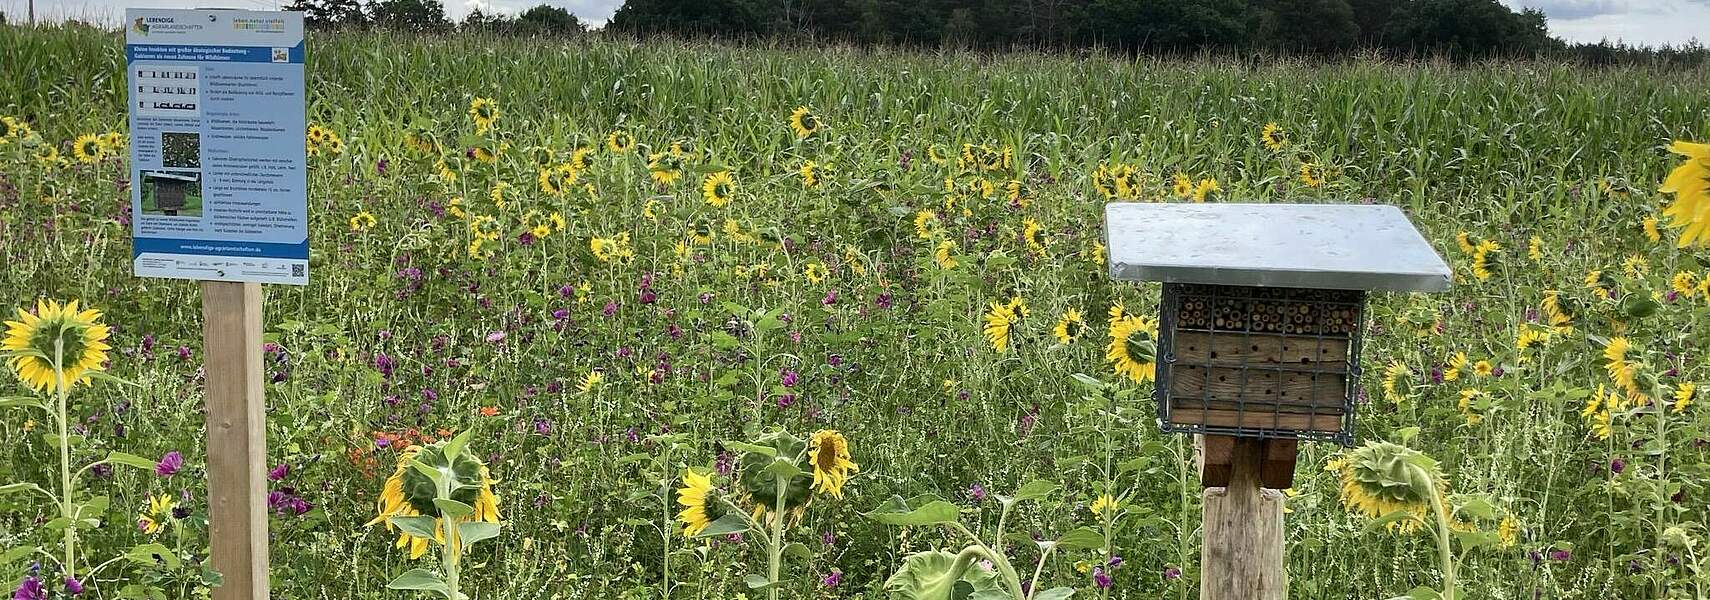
(1263, 408)
(1279, 422)
(237, 439)
(1277, 472)
(1236, 350)
(1232, 384)
(1215, 454)
(1242, 554)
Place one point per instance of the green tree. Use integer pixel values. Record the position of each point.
(410, 15)
(549, 20)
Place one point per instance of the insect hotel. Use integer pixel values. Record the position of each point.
(169, 191)
(1259, 331)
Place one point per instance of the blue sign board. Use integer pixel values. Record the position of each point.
(218, 181)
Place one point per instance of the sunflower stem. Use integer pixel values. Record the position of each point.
(1445, 553)
(449, 553)
(775, 553)
(63, 412)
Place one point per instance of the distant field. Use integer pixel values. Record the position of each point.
(457, 270)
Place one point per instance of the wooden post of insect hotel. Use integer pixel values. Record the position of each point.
(237, 438)
(1258, 348)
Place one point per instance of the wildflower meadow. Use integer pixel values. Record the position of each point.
(603, 319)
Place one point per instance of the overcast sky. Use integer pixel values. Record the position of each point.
(1644, 22)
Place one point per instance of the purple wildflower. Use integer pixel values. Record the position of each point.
(832, 579)
(30, 589)
(977, 492)
(280, 472)
(73, 586)
(169, 464)
(1100, 577)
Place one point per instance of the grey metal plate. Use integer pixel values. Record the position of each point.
(1335, 246)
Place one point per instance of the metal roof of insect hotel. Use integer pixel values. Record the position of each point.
(1328, 246)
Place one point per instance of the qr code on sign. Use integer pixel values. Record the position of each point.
(298, 270)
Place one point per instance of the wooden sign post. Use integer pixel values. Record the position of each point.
(237, 439)
(1241, 555)
(217, 111)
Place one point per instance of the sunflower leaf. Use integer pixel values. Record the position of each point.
(103, 376)
(474, 531)
(420, 579)
(1383, 521)
(24, 401)
(917, 511)
(1035, 490)
(783, 468)
(453, 508)
(130, 460)
(1083, 537)
(455, 448)
(150, 554)
(418, 526)
(725, 525)
(766, 451)
(1056, 593)
(24, 487)
(13, 554)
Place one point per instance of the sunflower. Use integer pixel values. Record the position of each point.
(159, 513)
(1690, 184)
(484, 112)
(619, 141)
(1182, 185)
(815, 272)
(718, 189)
(1684, 284)
(1508, 532)
(111, 143)
(1133, 346)
(558, 180)
(804, 122)
(1651, 232)
(1382, 478)
(1471, 405)
(87, 148)
(1103, 504)
(1312, 175)
(48, 155)
(1392, 377)
(943, 255)
(999, 319)
(411, 493)
(1069, 326)
(700, 502)
(1535, 249)
(937, 154)
(1101, 181)
(1557, 312)
(81, 338)
(590, 381)
(664, 167)
(1127, 182)
(1684, 395)
(1273, 136)
(362, 221)
(484, 154)
(810, 178)
(1456, 364)
(1034, 236)
(1483, 259)
(454, 207)
(829, 451)
(1622, 372)
(444, 172)
(10, 128)
(1205, 189)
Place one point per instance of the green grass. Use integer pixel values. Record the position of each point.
(1506, 151)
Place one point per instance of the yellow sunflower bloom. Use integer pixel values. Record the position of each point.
(86, 149)
(699, 502)
(804, 122)
(1069, 326)
(718, 189)
(829, 452)
(1690, 184)
(484, 112)
(79, 334)
(1133, 346)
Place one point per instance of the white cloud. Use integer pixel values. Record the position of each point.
(1637, 22)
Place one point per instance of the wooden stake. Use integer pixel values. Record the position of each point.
(237, 439)
(1242, 554)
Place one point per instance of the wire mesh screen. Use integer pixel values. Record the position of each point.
(1259, 362)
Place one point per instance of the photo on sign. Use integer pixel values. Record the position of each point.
(180, 150)
(172, 193)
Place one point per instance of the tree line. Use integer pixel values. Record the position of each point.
(1460, 29)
